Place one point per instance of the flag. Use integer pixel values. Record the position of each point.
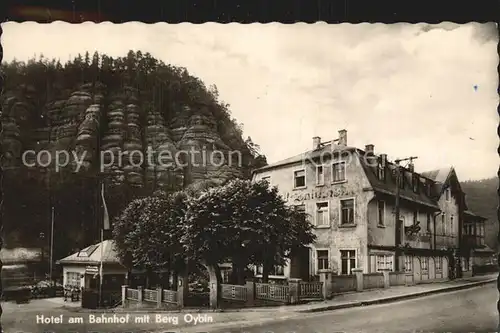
(105, 221)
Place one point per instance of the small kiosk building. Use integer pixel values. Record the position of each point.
(81, 269)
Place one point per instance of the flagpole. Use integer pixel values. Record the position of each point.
(104, 225)
(102, 244)
(100, 269)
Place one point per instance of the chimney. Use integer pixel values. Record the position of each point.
(316, 142)
(342, 138)
(369, 149)
(383, 159)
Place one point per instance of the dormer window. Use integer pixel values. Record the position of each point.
(415, 183)
(381, 170)
(402, 180)
(87, 252)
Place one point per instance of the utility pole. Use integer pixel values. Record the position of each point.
(398, 226)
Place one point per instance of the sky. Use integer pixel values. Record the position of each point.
(410, 90)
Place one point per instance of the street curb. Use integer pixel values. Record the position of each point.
(396, 298)
(296, 314)
(286, 308)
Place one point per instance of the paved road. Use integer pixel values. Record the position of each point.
(472, 310)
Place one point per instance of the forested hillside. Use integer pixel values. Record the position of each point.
(482, 199)
(95, 103)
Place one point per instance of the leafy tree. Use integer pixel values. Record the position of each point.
(249, 223)
(196, 188)
(259, 160)
(147, 233)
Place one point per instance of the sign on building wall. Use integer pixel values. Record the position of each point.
(91, 270)
(336, 192)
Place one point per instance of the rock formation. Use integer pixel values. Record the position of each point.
(137, 144)
(121, 127)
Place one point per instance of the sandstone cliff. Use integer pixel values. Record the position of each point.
(113, 106)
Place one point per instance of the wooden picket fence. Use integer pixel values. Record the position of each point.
(272, 292)
(152, 295)
(311, 290)
(234, 292)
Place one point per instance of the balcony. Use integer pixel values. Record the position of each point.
(471, 241)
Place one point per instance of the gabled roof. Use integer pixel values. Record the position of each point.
(389, 186)
(307, 156)
(386, 187)
(444, 178)
(439, 175)
(468, 213)
(92, 255)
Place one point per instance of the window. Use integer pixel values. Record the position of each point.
(429, 222)
(338, 172)
(439, 263)
(481, 234)
(415, 183)
(381, 212)
(299, 178)
(408, 264)
(424, 263)
(348, 260)
(415, 217)
(401, 179)
(452, 230)
(277, 270)
(320, 175)
(267, 179)
(406, 222)
(322, 214)
(381, 169)
(443, 223)
(73, 279)
(322, 258)
(384, 262)
(400, 230)
(447, 194)
(301, 208)
(226, 273)
(347, 211)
